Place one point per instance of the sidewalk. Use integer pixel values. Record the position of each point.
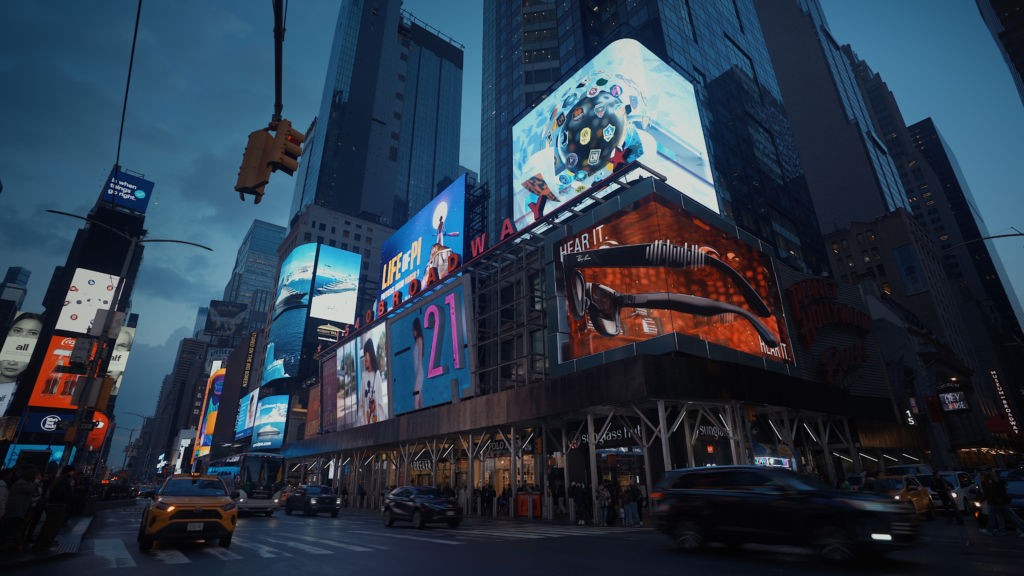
(68, 541)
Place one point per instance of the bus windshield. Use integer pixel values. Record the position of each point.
(261, 474)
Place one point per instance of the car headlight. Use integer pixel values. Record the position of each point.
(337, 500)
(871, 505)
(240, 500)
(161, 505)
(312, 500)
(275, 500)
(953, 494)
(228, 507)
(896, 497)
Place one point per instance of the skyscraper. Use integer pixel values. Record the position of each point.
(12, 294)
(389, 122)
(531, 45)
(252, 279)
(1005, 20)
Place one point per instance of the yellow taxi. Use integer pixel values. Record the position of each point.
(189, 507)
(907, 490)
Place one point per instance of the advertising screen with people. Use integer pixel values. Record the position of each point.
(424, 248)
(17, 350)
(654, 268)
(211, 409)
(246, 414)
(430, 352)
(227, 318)
(373, 375)
(119, 356)
(624, 105)
(271, 417)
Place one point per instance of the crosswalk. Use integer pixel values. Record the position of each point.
(116, 550)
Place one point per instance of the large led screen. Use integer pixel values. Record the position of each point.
(128, 190)
(624, 105)
(229, 319)
(654, 269)
(313, 412)
(119, 356)
(285, 345)
(430, 352)
(296, 278)
(89, 291)
(17, 350)
(346, 403)
(54, 387)
(329, 383)
(246, 414)
(423, 247)
(373, 375)
(336, 285)
(211, 408)
(268, 427)
(38, 455)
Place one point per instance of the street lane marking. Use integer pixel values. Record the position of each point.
(264, 551)
(470, 533)
(299, 545)
(221, 553)
(434, 540)
(114, 551)
(170, 556)
(353, 547)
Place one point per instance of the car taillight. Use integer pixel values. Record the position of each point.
(657, 495)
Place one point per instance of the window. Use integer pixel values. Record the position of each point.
(323, 227)
(835, 247)
(844, 244)
(871, 236)
(331, 242)
(359, 226)
(312, 224)
(369, 240)
(344, 234)
(866, 257)
(319, 239)
(334, 230)
(860, 239)
(358, 237)
(344, 245)
(307, 237)
(875, 255)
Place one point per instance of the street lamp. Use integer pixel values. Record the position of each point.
(83, 408)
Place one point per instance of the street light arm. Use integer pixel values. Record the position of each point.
(984, 238)
(127, 237)
(176, 242)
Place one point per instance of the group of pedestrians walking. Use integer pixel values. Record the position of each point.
(34, 506)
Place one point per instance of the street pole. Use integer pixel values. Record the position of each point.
(127, 447)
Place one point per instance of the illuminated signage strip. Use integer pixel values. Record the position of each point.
(1004, 401)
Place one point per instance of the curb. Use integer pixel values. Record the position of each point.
(67, 542)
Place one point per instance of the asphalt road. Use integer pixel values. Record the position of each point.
(358, 543)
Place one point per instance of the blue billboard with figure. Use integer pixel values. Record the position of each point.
(268, 427)
(430, 360)
(423, 248)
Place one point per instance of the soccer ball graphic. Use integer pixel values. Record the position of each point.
(591, 131)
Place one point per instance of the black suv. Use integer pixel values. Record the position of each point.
(751, 504)
(312, 500)
(420, 505)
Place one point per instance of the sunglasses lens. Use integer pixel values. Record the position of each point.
(577, 295)
(605, 325)
(604, 300)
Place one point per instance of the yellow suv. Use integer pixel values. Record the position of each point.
(189, 507)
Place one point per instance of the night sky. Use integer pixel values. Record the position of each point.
(203, 79)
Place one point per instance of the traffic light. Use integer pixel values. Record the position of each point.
(285, 151)
(254, 173)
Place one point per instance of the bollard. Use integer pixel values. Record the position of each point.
(529, 508)
(494, 508)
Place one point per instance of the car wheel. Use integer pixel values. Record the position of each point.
(835, 545)
(307, 512)
(687, 537)
(334, 514)
(417, 519)
(225, 542)
(453, 524)
(388, 518)
(288, 510)
(930, 513)
(145, 542)
(269, 514)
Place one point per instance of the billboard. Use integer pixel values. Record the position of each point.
(48, 422)
(624, 105)
(119, 356)
(127, 190)
(211, 407)
(336, 285)
(246, 414)
(268, 426)
(89, 291)
(955, 401)
(228, 319)
(373, 375)
(284, 347)
(54, 387)
(430, 352)
(36, 454)
(346, 402)
(18, 346)
(96, 436)
(422, 247)
(313, 412)
(654, 268)
(329, 393)
(295, 279)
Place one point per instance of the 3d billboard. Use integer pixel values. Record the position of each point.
(89, 291)
(229, 319)
(54, 387)
(16, 353)
(119, 356)
(268, 427)
(336, 285)
(284, 346)
(246, 414)
(423, 247)
(127, 190)
(373, 375)
(430, 360)
(295, 279)
(624, 105)
(101, 426)
(654, 268)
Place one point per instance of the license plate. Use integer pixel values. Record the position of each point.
(450, 513)
(194, 527)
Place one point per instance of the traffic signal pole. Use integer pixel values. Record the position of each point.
(278, 49)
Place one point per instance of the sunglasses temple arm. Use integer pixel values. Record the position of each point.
(751, 295)
(698, 306)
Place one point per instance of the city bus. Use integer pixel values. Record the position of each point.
(257, 476)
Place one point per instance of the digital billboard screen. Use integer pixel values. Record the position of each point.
(101, 425)
(246, 414)
(336, 285)
(271, 417)
(48, 422)
(128, 190)
(373, 375)
(624, 105)
(313, 412)
(229, 319)
(430, 352)
(284, 346)
(329, 393)
(955, 401)
(89, 291)
(211, 408)
(16, 353)
(423, 247)
(346, 403)
(54, 387)
(119, 356)
(654, 268)
(296, 279)
(38, 455)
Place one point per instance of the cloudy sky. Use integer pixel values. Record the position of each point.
(203, 79)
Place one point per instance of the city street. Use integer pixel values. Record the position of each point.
(358, 542)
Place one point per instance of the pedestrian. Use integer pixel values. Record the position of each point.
(630, 498)
(361, 494)
(6, 479)
(19, 502)
(994, 489)
(579, 502)
(604, 500)
(58, 498)
(945, 492)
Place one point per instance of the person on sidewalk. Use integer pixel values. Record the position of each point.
(945, 492)
(998, 500)
(15, 517)
(604, 500)
(630, 496)
(58, 499)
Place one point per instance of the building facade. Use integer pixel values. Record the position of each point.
(252, 279)
(1005, 20)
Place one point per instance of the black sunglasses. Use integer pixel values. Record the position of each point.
(604, 304)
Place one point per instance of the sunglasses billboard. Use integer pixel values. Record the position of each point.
(603, 304)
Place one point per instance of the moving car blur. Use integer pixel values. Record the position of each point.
(312, 500)
(906, 490)
(421, 505)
